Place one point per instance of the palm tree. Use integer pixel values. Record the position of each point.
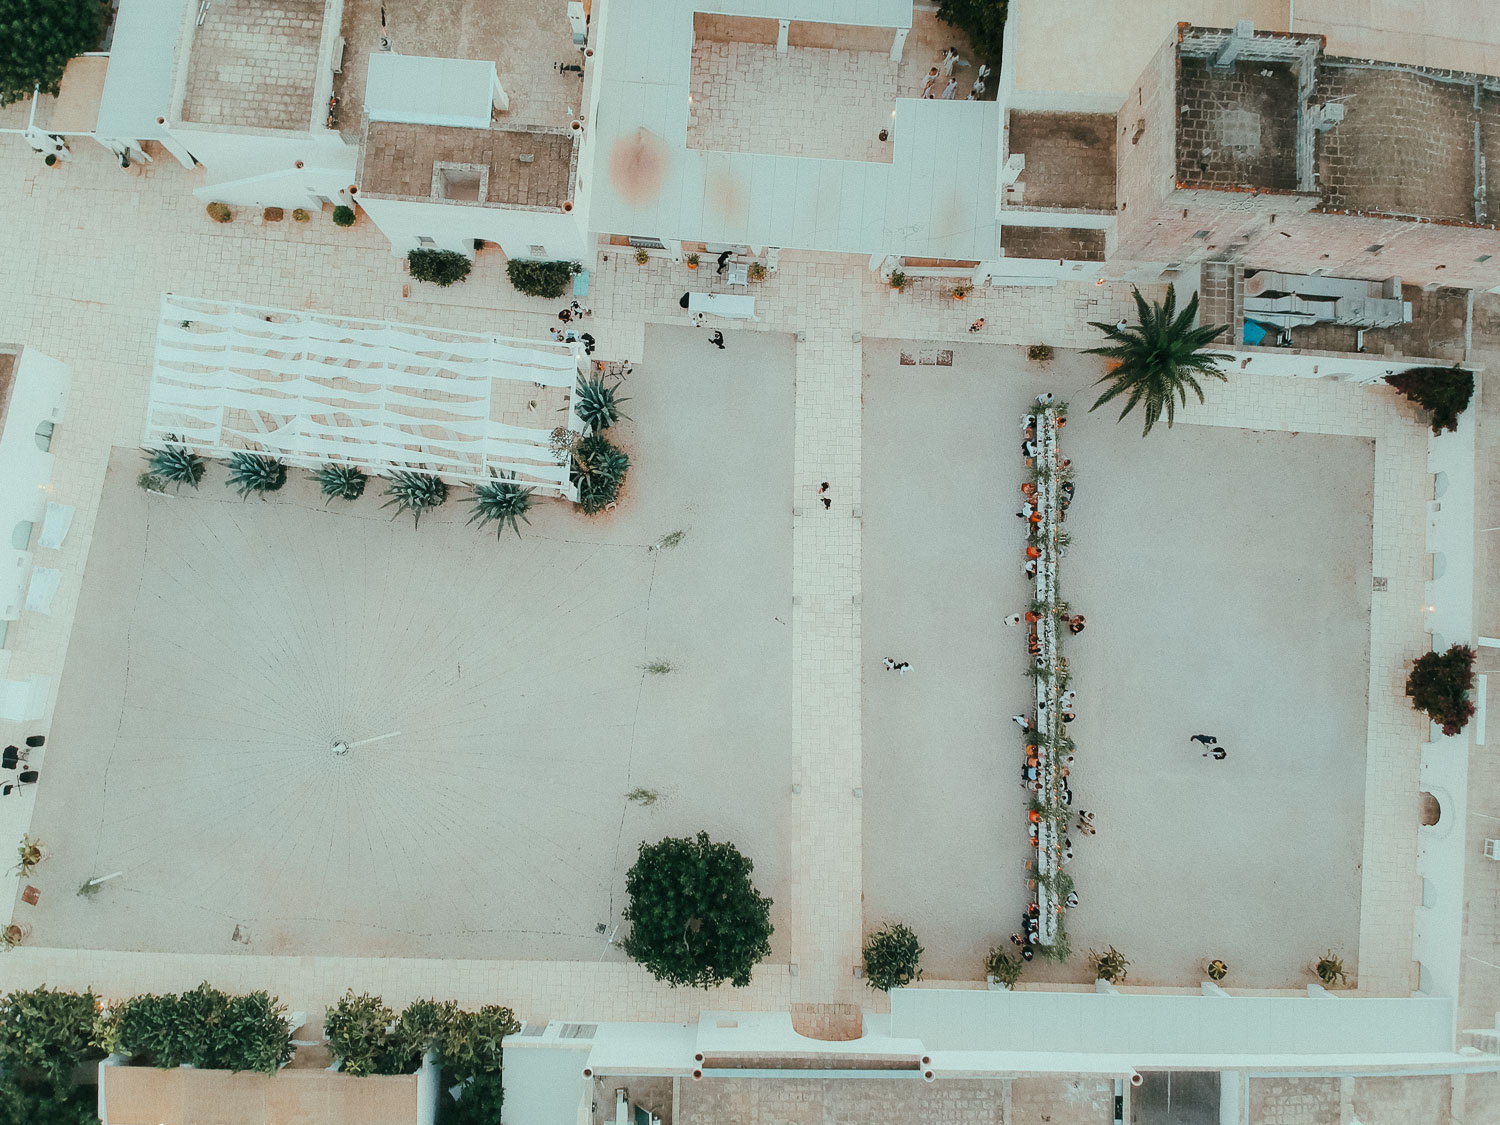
(1160, 358)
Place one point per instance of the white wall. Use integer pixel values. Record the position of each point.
(455, 226)
(260, 169)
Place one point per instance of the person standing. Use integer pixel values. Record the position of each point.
(951, 90)
(716, 338)
(930, 82)
(724, 261)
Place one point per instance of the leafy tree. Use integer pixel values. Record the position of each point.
(45, 1034)
(441, 267)
(541, 279)
(983, 21)
(1442, 391)
(1160, 358)
(893, 957)
(695, 916)
(38, 37)
(1439, 684)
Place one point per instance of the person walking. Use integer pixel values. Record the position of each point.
(890, 663)
(724, 261)
(930, 82)
(977, 325)
(1205, 739)
(1020, 721)
(716, 338)
(950, 91)
(903, 667)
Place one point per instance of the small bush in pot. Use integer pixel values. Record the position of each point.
(1003, 968)
(220, 212)
(357, 1028)
(1110, 966)
(343, 216)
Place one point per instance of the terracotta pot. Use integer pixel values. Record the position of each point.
(692, 265)
(1033, 553)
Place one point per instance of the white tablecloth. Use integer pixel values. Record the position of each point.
(730, 305)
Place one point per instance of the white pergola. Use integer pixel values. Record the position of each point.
(313, 389)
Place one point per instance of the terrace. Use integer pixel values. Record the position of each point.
(498, 166)
(253, 65)
(1070, 161)
(530, 43)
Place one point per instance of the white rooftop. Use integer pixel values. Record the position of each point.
(429, 91)
(138, 85)
(846, 206)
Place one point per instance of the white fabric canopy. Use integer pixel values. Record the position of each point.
(312, 389)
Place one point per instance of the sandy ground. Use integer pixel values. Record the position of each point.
(1225, 575)
(221, 646)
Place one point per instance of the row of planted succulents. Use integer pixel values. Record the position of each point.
(47, 1035)
(597, 468)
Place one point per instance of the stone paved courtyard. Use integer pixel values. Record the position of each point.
(1214, 605)
(94, 247)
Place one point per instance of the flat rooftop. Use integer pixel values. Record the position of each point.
(254, 63)
(1075, 244)
(529, 41)
(1406, 143)
(1237, 129)
(469, 165)
(1070, 159)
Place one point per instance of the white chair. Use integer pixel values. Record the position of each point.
(739, 273)
(1492, 849)
(55, 526)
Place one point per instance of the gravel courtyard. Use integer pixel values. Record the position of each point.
(220, 648)
(1226, 578)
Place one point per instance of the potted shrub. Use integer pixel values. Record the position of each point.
(13, 935)
(898, 280)
(1330, 970)
(1002, 969)
(1216, 970)
(893, 957)
(692, 261)
(1110, 966)
(343, 216)
(757, 271)
(1039, 353)
(962, 291)
(300, 216)
(1439, 684)
(641, 256)
(273, 214)
(219, 212)
(44, 1035)
(30, 853)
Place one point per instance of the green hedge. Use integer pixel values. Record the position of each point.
(441, 267)
(541, 279)
(205, 1028)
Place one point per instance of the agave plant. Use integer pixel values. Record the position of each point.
(346, 482)
(596, 404)
(1330, 970)
(415, 493)
(31, 854)
(175, 464)
(255, 472)
(502, 501)
(599, 468)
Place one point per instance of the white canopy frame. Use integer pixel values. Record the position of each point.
(314, 389)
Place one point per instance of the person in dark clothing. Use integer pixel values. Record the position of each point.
(724, 260)
(716, 338)
(1205, 739)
